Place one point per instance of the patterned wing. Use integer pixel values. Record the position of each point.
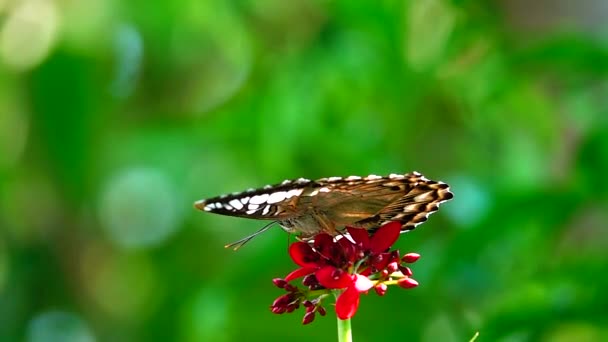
(272, 202)
(329, 203)
(372, 201)
(422, 198)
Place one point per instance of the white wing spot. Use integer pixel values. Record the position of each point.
(351, 178)
(259, 199)
(316, 191)
(372, 177)
(395, 176)
(253, 207)
(218, 205)
(237, 204)
(244, 200)
(249, 212)
(294, 192)
(266, 210)
(334, 179)
(276, 197)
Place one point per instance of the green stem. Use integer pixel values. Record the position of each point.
(344, 330)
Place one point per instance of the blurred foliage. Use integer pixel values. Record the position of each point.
(116, 116)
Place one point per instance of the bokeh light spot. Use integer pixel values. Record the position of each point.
(129, 50)
(122, 286)
(473, 201)
(139, 208)
(429, 26)
(215, 46)
(28, 33)
(62, 326)
(14, 128)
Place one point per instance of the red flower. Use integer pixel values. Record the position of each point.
(382, 239)
(348, 302)
(351, 265)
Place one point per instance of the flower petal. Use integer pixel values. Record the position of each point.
(381, 260)
(385, 237)
(362, 283)
(300, 272)
(333, 278)
(349, 250)
(366, 271)
(303, 255)
(323, 244)
(347, 303)
(360, 236)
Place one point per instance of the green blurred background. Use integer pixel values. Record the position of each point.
(115, 116)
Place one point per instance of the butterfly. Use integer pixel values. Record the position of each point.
(309, 207)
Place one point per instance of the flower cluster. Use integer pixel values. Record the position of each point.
(344, 267)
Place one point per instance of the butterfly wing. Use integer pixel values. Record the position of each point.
(328, 203)
(372, 201)
(272, 202)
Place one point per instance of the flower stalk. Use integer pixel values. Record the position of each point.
(344, 330)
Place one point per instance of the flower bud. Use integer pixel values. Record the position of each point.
(407, 283)
(308, 317)
(392, 267)
(278, 310)
(410, 258)
(381, 289)
(406, 271)
(290, 288)
(284, 300)
(280, 283)
(310, 280)
(395, 255)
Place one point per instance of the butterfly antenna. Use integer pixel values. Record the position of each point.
(240, 243)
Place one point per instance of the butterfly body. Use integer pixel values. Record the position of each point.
(308, 208)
